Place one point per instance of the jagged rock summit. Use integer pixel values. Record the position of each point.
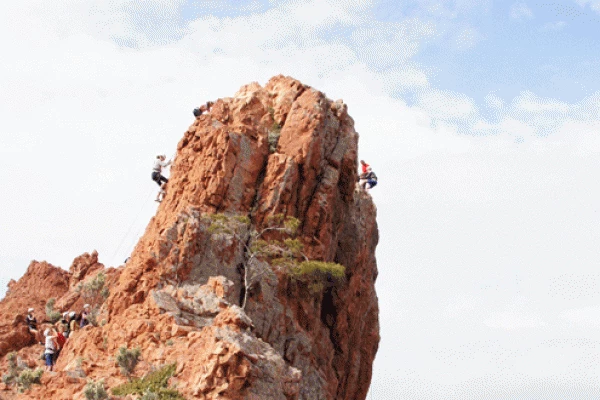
(205, 291)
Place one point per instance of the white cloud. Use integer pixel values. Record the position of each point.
(586, 317)
(594, 4)
(529, 102)
(466, 38)
(554, 26)
(446, 105)
(511, 320)
(520, 11)
(494, 101)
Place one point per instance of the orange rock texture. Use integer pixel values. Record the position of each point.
(279, 149)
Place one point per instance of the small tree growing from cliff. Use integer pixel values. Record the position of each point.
(286, 254)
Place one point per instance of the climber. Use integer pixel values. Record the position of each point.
(159, 164)
(85, 316)
(65, 324)
(203, 109)
(32, 325)
(368, 178)
(364, 166)
(73, 325)
(60, 340)
(50, 348)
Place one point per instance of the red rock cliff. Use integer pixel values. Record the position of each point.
(280, 149)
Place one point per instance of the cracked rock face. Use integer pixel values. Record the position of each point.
(279, 149)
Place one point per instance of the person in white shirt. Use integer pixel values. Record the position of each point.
(50, 348)
(157, 177)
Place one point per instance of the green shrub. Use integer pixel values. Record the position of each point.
(273, 137)
(315, 273)
(244, 219)
(94, 290)
(53, 316)
(152, 386)
(148, 395)
(95, 391)
(319, 268)
(12, 360)
(28, 377)
(13, 368)
(128, 360)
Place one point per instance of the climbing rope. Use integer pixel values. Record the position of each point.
(132, 224)
(136, 218)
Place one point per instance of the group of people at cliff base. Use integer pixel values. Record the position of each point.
(367, 179)
(160, 162)
(56, 335)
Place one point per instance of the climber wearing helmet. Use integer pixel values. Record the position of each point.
(73, 325)
(203, 109)
(85, 316)
(157, 177)
(32, 325)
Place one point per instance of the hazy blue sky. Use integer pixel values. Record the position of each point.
(481, 119)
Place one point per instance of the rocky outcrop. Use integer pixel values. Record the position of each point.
(192, 293)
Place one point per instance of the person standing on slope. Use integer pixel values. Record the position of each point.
(157, 177)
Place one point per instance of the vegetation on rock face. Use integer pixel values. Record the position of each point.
(286, 254)
(52, 315)
(152, 386)
(28, 377)
(19, 374)
(128, 360)
(13, 368)
(95, 292)
(95, 391)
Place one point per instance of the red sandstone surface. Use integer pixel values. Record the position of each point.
(179, 296)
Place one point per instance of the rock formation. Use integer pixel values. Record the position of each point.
(237, 326)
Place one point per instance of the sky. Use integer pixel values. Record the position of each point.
(481, 119)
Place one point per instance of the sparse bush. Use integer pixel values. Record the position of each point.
(93, 290)
(128, 360)
(152, 386)
(148, 395)
(28, 377)
(244, 219)
(13, 368)
(169, 342)
(95, 391)
(95, 293)
(286, 254)
(273, 137)
(52, 315)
